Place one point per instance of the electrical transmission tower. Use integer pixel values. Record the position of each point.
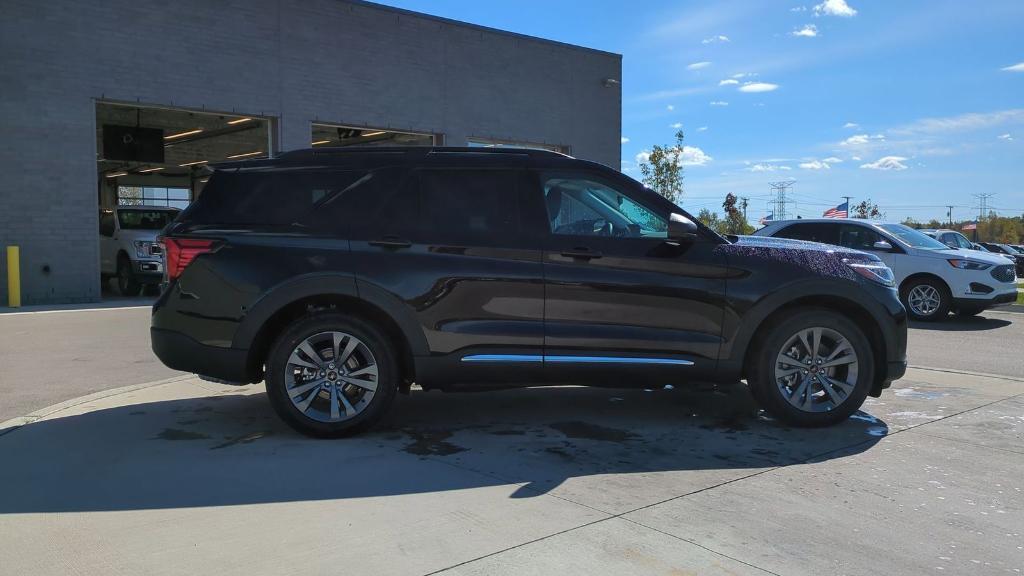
(779, 203)
(982, 210)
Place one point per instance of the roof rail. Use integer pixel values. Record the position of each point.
(310, 153)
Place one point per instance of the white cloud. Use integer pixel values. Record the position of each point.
(834, 8)
(855, 158)
(1018, 67)
(718, 103)
(851, 125)
(758, 87)
(887, 163)
(677, 125)
(744, 74)
(815, 165)
(728, 82)
(808, 31)
(860, 139)
(1005, 136)
(691, 156)
(785, 168)
(798, 9)
(833, 160)
(670, 107)
(698, 65)
(624, 140)
(702, 129)
(762, 168)
(714, 39)
(963, 122)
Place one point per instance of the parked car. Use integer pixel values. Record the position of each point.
(128, 247)
(951, 238)
(343, 276)
(1009, 252)
(932, 277)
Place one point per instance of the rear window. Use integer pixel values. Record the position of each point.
(145, 219)
(292, 198)
(825, 233)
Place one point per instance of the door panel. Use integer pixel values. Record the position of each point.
(617, 289)
(454, 256)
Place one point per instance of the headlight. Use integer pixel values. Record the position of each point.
(969, 264)
(875, 271)
(143, 249)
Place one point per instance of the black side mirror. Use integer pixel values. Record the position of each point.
(681, 228)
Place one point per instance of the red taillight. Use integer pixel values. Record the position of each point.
(180, 252)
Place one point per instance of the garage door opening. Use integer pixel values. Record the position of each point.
(151, 162)
(326, 135)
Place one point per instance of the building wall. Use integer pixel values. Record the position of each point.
(299, 61)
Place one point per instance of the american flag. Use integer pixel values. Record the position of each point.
(841, 211)
(767, 219)
(970, 226)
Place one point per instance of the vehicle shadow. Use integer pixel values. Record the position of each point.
(230, 449)
(961, 324)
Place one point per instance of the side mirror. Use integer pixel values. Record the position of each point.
(681, 228)
(882, 245)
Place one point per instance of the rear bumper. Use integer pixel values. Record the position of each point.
(180, 352)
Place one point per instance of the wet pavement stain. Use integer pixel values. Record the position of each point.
(176, 434)
(431, 443)
(246, 439)
(588, 431)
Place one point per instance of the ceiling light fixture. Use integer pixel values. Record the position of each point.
(150, 170)
(373, 133)
(116, 174)
(320, 142)
(239, 121)
(194, 163)
(256, 153)
(183, 134)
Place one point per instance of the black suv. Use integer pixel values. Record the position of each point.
(343, 276)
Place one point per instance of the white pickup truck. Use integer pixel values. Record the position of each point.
(128, 247)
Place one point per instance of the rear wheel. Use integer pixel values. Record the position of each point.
(330, 375)
(814, 368)
(926, 299)
(126, 283)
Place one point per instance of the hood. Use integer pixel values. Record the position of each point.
(965, 254)
(133, 235)
(786, 243)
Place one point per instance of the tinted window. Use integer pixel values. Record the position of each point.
(144, 219)
(470, 206)
(913, 238)
(825, 232)
(858, 237)
(294, 198)
(582, 206)
(106, 223)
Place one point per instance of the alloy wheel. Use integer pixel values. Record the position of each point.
(816, 369)
(331, 376)
(924, 299)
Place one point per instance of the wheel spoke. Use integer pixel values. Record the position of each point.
(799, 392)
(790, 361)
(805, 340)
(334, 402)
(298, 390)
(849, 359)
(347, 352)
(842, 346)
(816, 339)
(826, 385)
(304, 405)
(370, 370)
(349, 409)
(364, 384)
(808, 395)
(787, 373)
(846, 387)
(311, 353)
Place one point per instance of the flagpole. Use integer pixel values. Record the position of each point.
(847, 205)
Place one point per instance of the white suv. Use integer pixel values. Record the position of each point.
(932, 278)
(128, 247)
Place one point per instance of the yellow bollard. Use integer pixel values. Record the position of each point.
(13, 277)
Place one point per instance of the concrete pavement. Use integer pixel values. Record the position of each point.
(187, 477)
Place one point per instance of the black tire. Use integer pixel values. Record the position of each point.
(127, 285)
(376, 342)
(761, 372)
(945, 299)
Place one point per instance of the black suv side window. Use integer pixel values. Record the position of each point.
(824, 232)
(580, 205)
(858, 237)
(470, 206)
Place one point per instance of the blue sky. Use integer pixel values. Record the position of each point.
(913, 104)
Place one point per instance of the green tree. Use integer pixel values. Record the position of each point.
(710, 219)
(663, 170)
(735, 222)
(867, 209)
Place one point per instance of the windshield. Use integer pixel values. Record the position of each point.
(145, 219)
(913, 238)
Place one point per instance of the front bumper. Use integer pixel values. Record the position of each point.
(997, 300)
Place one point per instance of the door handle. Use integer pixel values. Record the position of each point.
(581, 253)
(391, 242)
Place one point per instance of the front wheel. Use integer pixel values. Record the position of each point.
(127, 285)
(331, 375)
(926, 299)
(814, 368)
